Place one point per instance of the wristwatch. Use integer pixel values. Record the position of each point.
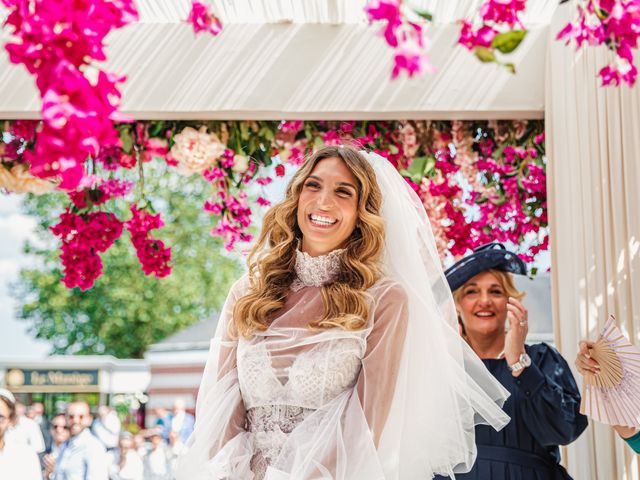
(523, 362)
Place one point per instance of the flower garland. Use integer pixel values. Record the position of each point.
(479, 181)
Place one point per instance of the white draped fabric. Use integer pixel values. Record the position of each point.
(593, 146)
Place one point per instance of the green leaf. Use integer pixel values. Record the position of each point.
(484, 54)
(419, 168)
(393, 150)
(244, 131)
(156, 128)
(507, 42)
(266, 133)
(427, 15)
(510, 66)
(127, 140)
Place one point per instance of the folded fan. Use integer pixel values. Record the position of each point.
(613, 395)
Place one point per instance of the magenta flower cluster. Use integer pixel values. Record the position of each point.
(152, 253)
(202, 19)
(83, 238)
(404, 35)
(614, 23)
(497, 16)
(57, 40)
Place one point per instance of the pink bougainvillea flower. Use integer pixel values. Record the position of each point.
(152, 253)
(387, 11)
(412, 59)
(502, 11)
(202, 18)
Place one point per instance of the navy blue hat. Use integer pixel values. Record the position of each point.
(490, 256)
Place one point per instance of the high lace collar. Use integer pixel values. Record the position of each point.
(316, 271)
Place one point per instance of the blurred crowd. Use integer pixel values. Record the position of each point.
(76, 445)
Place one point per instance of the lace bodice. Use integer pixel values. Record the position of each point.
(285, 373)
(312, 377)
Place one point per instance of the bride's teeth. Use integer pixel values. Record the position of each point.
(322, 220)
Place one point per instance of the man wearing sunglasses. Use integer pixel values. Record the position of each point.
(82, 457)
(59, 433)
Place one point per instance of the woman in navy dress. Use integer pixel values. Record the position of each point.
(544, 405)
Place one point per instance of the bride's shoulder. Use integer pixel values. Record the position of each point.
(240, 286)
(388, 289)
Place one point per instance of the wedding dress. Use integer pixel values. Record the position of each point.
(397, 400)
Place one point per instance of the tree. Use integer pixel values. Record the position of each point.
(127, 311)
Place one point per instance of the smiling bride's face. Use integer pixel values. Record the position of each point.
(327, 210)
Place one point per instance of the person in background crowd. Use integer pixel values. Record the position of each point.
(163, 420)
(107, 427)
(59, 434)
(157, 464)
(17, 460)
(36, 413)
(585, 364)
(139, 445)
(83, 456)
(126, 463)
(25, 430)
(544, 405)
(181, 423)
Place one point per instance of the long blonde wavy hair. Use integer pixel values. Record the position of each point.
(272, 260)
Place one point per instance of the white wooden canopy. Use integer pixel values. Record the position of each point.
(301, 59)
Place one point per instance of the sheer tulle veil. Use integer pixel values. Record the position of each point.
(443, 389)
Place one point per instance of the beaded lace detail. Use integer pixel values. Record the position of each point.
(316, 271)
(270, 426)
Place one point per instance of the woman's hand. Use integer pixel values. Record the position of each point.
(518, 328)
(584, 363)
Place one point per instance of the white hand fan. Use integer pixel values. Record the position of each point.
(613, 395)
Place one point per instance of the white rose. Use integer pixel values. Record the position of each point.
(240, 163)
(195, 151)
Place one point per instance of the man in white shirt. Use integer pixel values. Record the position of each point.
(107, 427)
(25, 431)
(82, 457)
(17, 460)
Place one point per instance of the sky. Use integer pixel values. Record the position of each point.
(15, 228)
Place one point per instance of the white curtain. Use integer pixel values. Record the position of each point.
(593, 145)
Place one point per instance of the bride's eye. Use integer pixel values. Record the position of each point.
(344, 192)
(312, 184)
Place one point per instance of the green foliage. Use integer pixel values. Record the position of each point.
(127, 311)
(507, 42)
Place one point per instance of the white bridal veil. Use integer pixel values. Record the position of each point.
(443, 389)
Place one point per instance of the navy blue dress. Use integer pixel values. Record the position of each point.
(544, 407)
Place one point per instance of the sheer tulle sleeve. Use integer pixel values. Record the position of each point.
(219, 446)
(381, 361)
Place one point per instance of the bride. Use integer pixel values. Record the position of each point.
(338, 356)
